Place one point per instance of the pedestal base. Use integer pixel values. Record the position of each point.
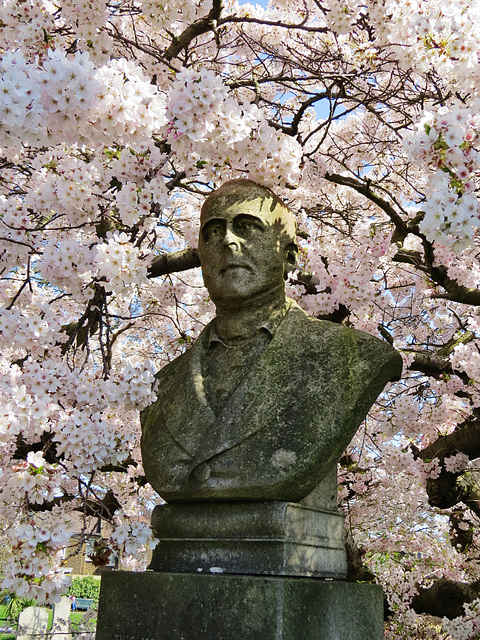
(255, 538)
(168, 606)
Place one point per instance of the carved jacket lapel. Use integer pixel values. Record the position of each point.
(189, 421)
(254, 399)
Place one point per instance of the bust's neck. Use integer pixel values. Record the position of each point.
(242, 320)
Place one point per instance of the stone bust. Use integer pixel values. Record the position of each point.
(264, 403)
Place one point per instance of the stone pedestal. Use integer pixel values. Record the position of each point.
(255, 538)
(167, 606)
(241, 571)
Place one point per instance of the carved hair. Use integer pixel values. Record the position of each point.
(241, 189)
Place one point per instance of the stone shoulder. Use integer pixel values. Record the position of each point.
(314, 331)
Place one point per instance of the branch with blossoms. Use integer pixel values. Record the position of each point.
(454, 291)
(116, 121)
(465, 439)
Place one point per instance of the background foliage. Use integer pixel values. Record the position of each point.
(86, 587)
(116, 120)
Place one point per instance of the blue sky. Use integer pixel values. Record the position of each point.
(262, 3)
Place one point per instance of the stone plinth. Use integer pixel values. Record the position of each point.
(255, 538)
(165, 606)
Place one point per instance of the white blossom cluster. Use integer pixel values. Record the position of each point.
(120, 263)
(466, 357)
(29, 405)
(428, 35)
(86, 19)
(15, 240)
(174, 14)
(25, 24)
(20, 99)
(69, 264)
(83, 435)
(467, 627)
(210, 128)
(33, 569)
(349, 281)
(34, 332)
(445, 141)
(134, 386)
(142, 184)
(456, 463)
(79, 412)
(343, 15)
(270, 157)
(40, 480)
(67, 100)
(64, 185)
(132, 535)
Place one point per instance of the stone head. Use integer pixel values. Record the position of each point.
(247, 243)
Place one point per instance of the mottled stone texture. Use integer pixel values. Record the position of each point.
(163, 606)
(284, 426)
(266, 400)
(32, 623)
(250, 420)
(61, 620)
(264, 538)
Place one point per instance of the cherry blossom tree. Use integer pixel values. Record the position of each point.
(116, 120)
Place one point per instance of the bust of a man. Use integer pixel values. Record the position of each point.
(264, 403)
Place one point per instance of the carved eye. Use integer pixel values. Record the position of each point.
(244, 225)
(213, 231)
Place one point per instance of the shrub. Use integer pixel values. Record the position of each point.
(14, 605)
(86, 587)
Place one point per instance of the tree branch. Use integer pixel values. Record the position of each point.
(364, 189)
(104, 508)
(465, 440)
(197, 28)
(451, 488)
(273, 23)
(172, 262)
(445, 598)
(455, 291)
(357, 571)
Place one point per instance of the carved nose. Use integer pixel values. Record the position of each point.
(230, 239)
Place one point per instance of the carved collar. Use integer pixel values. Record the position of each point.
(270, 326)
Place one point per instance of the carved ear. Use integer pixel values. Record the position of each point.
(291, 251)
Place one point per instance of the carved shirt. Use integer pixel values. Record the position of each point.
(227, 362)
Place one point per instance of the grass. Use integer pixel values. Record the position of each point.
(76, 617)
(5, 623)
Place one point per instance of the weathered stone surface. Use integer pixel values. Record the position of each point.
(61, 620)
(252, 417)
(283, 427)
(258, 538)
(162, 606)
(263, 404)
(32, 623)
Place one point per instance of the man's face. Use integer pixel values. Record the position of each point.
(241, 251)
